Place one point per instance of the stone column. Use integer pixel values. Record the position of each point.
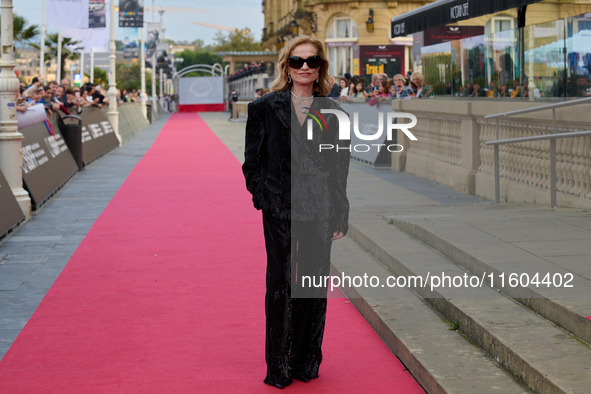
(112, 113)
(11, 153)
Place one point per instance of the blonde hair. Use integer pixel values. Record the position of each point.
(322, 87)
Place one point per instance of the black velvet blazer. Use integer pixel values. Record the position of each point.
(315, 187)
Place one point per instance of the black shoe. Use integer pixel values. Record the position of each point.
(278, 383)
(302, 377)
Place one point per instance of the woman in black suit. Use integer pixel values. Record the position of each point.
(301, 191)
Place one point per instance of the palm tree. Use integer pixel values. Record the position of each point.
(69, 49)
(22, 33)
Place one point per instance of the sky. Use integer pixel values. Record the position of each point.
(229, 13)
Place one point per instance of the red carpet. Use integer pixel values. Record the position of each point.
(166, 293)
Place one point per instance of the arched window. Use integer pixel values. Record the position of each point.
(340, 38)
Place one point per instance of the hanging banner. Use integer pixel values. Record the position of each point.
(67, 13)
(131, 50)
(95, 38)
(152, 38)
(131, 13)
(97, 17)
(10, 212)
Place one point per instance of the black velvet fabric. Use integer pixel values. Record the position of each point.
(295, 326)
(285, 171)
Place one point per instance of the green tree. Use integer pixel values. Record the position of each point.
(239, 40)
(129, 77)
(100, 77)
(22, 32)
(197, 57)
(69, 49)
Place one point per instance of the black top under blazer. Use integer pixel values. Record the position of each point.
(315, 187)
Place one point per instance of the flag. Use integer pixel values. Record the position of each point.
(97, 38)
(67, 13)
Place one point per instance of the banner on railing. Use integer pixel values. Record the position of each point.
(47, 162)
(98, 136)
(10, 211)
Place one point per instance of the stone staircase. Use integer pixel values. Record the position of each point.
(486, 339)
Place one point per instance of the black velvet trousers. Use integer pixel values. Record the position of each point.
(295, 326)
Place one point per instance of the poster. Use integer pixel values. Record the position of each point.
(131, 13)
(97, 17)
(152, 38)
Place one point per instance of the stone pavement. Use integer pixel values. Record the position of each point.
(34, 256)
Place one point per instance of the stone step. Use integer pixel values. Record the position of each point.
(439, 358)
(484, 253)
(543, 356)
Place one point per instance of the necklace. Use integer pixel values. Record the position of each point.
(301, 98)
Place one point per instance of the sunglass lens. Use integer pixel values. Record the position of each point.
(314, 62)
(296, 63)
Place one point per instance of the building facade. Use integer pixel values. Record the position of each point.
(357, 34)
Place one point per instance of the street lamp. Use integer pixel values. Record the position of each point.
(294, 28)
(112, 113)
(369, 23)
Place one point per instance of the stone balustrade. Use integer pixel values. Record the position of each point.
(451, 149)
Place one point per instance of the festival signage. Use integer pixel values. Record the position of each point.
(98, 136)
(376, 59)
(47, 162)
(131, 13)
(10, 211)
(450, 33)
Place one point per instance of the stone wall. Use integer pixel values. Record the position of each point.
(451, 149)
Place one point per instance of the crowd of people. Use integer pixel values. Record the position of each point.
(493, 90)
(411, 86)
(381, 88)
(60, 97)
(67, 99)
(128, 97)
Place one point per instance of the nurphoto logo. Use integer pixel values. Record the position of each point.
(345, 130)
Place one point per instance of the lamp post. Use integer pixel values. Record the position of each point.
(112, 113)
(91, 71)
(161, 82)
(42, 49)
(369, 23)
(60, 41)
(143, 74)
(154, 84)
(11, 160)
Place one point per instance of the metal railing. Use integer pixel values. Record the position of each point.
(552, 137)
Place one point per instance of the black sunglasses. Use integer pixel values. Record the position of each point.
(297, 62)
